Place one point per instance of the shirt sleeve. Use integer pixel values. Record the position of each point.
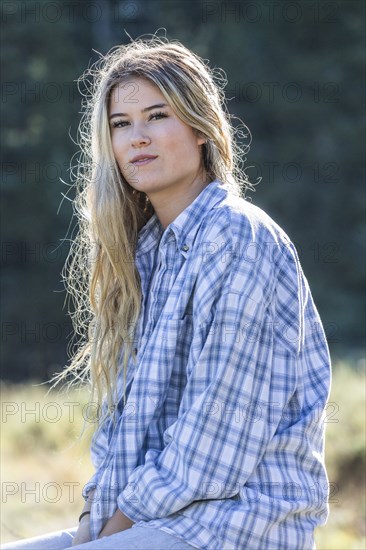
(99, 444)
(258, 359)
(98, 451)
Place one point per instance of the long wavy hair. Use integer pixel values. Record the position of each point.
(100, 272)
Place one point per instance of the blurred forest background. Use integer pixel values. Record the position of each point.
(296, 77)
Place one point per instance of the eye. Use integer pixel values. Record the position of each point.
(119, 123)
(158, 116)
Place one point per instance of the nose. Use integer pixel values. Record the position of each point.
(138, 138)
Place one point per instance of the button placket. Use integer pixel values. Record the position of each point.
(157, 282)
(160, 289)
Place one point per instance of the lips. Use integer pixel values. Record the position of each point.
(142, 158)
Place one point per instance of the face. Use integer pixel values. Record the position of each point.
(156, 152)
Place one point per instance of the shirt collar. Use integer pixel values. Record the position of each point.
(185, 226)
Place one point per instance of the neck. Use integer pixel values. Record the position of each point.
(169, 203)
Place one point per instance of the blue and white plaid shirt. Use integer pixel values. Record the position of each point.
(221, 441)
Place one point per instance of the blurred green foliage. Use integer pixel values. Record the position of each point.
(295, 76)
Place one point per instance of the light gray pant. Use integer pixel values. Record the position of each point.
(135, 538)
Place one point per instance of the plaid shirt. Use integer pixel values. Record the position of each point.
(221, 441)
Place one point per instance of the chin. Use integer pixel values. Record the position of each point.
(147, 186)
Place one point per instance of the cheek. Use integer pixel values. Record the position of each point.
(183, 144)
(190, 149)
(118, 148)
(120, 156)
(114, 144)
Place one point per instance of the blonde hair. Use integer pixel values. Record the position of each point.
(100, 273)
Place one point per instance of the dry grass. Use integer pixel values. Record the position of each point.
(44, 466)
(44, 463)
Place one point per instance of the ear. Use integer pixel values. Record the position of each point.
(201, 139)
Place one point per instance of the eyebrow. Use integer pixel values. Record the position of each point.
(157, 106)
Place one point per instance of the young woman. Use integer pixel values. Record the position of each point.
(205, 347)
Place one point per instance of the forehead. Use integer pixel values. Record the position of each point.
(132, 91)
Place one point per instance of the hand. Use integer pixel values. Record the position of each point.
(118, 522)
(83, 533)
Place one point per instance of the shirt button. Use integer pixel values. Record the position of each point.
(185, 247)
